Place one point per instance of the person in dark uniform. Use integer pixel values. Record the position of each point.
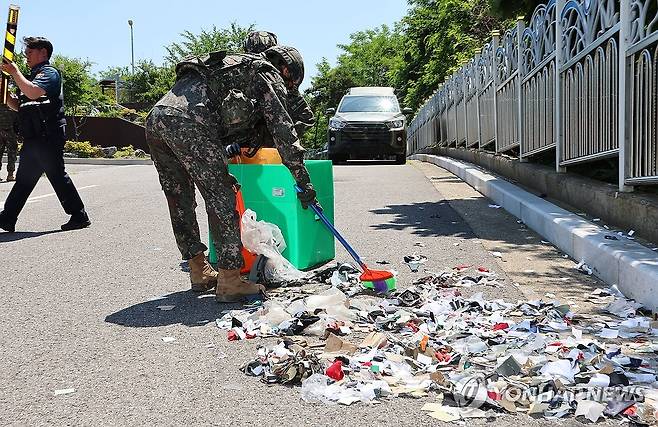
(40, 106)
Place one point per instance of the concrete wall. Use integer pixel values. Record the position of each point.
(630, 211)
(107, 132)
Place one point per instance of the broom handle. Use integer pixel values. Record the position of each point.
(333, 230)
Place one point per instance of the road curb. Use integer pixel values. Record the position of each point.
(108, 162)
(626, 263)
(114, 162)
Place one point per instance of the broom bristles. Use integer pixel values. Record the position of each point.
(380, 286)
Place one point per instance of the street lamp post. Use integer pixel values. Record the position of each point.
(132, 58)
(132, 49)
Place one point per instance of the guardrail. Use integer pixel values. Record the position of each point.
(579, 79)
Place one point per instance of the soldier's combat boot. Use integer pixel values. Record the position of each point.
(231, 287)
(11, 177)
(202, 275)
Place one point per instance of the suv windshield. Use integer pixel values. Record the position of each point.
(369, 104)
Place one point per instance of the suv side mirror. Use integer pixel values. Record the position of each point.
(330, 111)
(407, 111)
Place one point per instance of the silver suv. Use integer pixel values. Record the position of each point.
(367, 125)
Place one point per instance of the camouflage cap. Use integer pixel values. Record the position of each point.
(259, 41)
(289, 57)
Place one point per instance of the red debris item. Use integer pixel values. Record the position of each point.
(494, 396)
(631, 412)
(461, 267)
(555, 344)
(232, 336)
(250, 336)
(335, 371)
(442, 357)
(411, 325)
(483, 270)
(501, 326)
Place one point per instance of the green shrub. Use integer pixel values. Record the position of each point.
(128, 151)
(83, 149)
(135, 116)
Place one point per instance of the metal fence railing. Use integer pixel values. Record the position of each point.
(580, 79)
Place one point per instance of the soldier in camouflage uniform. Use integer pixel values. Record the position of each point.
(216, 99)
(259, 41)
(8, 139)
(265, 44)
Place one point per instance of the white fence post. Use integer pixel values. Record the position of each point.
(476, 81)
(559, 61)
(520, 27)
(495, 42)
(624, 85)
(453, 85)
(462, 70)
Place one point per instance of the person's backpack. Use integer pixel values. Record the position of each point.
(229, 78)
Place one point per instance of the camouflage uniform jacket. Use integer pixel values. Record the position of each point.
(7, 118)
(240, 90)
(300, 111)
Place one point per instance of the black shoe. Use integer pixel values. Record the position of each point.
(77, 221)
(7, 224)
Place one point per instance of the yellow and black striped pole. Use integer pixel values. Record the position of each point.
(8, 52)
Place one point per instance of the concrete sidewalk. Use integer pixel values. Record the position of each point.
(615, 259)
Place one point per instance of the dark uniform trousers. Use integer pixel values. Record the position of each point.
(40, 156)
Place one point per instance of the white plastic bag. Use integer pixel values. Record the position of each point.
(264, 238)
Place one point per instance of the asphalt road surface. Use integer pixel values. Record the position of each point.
(78, 309)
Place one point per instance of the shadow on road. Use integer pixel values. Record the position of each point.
(190, 309)
(20, 235)
(427, 219)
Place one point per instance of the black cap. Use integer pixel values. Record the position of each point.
(38, 43)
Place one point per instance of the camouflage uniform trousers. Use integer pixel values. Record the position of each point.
(185, 154)
(9, 142)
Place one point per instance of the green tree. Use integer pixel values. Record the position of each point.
(150, 82)
(81, 91)
(78, 83)
(373, 55)
(439, 35)
(514, 8)
(230, 39)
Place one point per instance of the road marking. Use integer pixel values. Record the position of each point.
(37, 198)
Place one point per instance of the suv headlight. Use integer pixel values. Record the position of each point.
(395, 124)
(336, 124)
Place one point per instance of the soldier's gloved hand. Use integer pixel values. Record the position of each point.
(307, 196)
(233, 150)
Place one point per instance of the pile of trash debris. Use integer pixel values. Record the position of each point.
(480, 357)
